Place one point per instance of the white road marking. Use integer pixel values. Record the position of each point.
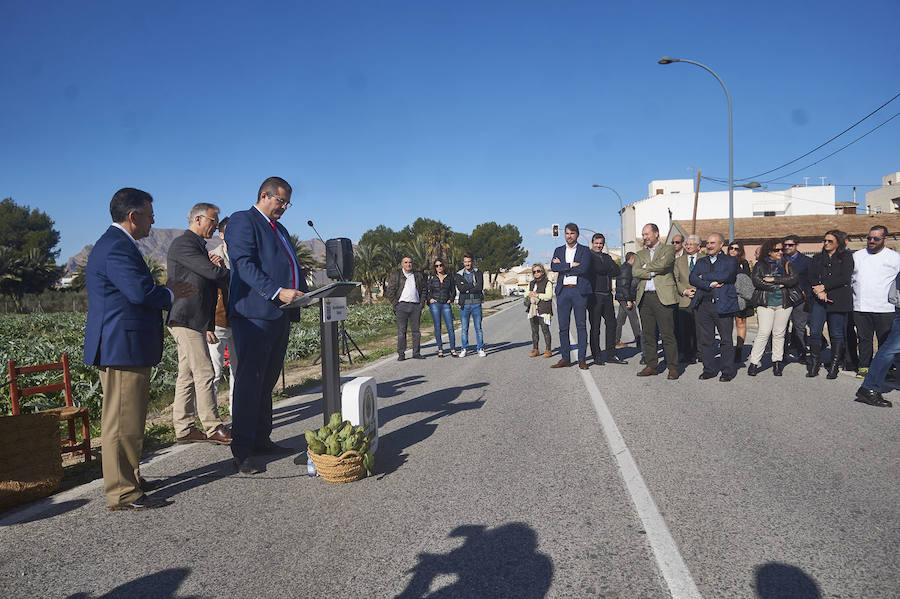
(668, 559)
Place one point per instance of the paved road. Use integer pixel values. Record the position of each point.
(496, 479)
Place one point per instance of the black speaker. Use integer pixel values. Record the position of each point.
(339, 258)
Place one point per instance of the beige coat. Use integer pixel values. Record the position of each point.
(662, 266)
(682, 274)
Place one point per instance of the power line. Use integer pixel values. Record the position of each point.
(798, 184)
(816, 148)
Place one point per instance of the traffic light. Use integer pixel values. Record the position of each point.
(556, 230)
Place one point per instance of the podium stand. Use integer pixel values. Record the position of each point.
(328, 335)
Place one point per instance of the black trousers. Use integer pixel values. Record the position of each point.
(656, 314)
(799, 318)
(600, 307)
(708, 321)
(411, 313)
(686, 334)
(868, 324)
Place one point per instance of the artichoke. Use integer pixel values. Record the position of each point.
(323, 433)
(310, 436)
(345, 432)
(316, 447)
(335, 422)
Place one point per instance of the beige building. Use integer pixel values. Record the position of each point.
(886, 199)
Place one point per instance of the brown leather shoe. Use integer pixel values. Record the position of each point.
(673, 374)
(561, 364)
(620, 344)
(648, 371)
(192, 437)
(534, 353)
(547, 353)
(221, 436)
(582, 364)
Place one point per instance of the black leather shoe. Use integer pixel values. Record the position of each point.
(872, 397)
(752, 370)
(777, 368)
(726, 377)
(151, 484)
(272, 448)
(616, 360)
(418, 357)
(144, 502)
(248, 466)
(401, 357)
(706, 375)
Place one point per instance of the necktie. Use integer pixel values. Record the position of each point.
(288, 252)
(692, 264)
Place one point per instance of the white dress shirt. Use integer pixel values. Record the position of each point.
(570, 257)
(410, 293)
(650, 286)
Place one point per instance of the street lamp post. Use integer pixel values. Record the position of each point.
(668, 60)
(621, 218)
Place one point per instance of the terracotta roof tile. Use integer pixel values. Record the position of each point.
(808, 228)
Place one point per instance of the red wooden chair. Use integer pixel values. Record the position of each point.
(67, 413)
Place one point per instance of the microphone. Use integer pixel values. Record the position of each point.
(336, 265)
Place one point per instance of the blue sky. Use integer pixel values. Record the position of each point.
(381, 112)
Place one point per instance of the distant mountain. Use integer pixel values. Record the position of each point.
(156, 245)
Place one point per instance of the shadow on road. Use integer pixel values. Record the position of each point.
(498, 562)
(782, 581)
(490, 348)
(393, 388)
(162, 585)
(54, 510)
(390, 454)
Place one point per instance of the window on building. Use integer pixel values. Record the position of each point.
(659, 192)
(769, 213)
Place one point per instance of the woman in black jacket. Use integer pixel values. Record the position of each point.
(736, 251)
(626, 291)
(772, 278)
(440, 291)
(829, 275)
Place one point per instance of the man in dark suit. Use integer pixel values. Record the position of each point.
(799, 263)
(264, 276)
(572, 262)
(406, 292)
(715, 302)
(123, 337)
(192, 322)
(600, 302)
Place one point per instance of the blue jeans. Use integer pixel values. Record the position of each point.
(837, 322)
(883, 359)
(439, 311)
(473, 311)
(569, 300)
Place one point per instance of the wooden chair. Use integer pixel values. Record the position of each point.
(67, 413)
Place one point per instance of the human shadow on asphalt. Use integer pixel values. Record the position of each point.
(390, 454)
(191, 479)
(782, 581)
(162, 585)
(55, 510)
(396, 387)
(498, 562)
(490, 348)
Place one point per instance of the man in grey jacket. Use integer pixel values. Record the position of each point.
(192, 322)
(406, 292)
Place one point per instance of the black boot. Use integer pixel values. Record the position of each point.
(777, 368)
(738, 352)
(837, 355)
(812, 360)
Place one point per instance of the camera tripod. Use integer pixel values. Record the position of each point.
(344, 342)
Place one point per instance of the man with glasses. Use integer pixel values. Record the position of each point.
(798, 263)
(685, 327)
(657, 300)
(715, 303)
(406, 292)
(874, 269)
(265, 276)
(678, 244)
(192, 322)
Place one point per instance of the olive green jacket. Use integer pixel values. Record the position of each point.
(662, 266)
(682, 276)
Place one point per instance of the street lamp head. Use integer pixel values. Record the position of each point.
(667, 60)
(594, 185)
(752, 185)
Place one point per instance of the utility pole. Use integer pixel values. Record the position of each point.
(696, 200)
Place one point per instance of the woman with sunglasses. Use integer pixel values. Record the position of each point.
(540, 309)
(440, 291)
(736, 251)
(829, 274)
(772, 277)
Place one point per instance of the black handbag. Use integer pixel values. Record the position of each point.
(795, 296)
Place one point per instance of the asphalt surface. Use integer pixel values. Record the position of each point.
(495, 479)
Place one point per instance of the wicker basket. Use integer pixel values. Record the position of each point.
(30, 462)
(344, 468)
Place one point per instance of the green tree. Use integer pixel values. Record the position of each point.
(433, 235)
(366, 268)
(418, 250)
(157, 270)
(459, 245)
(497, 247)
(27, 257)
(78, 277)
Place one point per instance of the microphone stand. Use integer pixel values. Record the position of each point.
(345, 336)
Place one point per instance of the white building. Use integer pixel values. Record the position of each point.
(673, 199)
(887, 198)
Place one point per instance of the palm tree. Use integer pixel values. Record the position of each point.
(366, 268)
(157, 270)
(420, 253)
(78, 277)
(305, 258)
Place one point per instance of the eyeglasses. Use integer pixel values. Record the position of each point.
(775, 250)
(283, 202)
(829, 241)
(734, 249)
(214, 220)
(537, 272)
(871, 238)
(678, 242)
(439, 265)
(789, 245)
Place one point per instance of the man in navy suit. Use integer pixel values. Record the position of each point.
(124, 339)
(715, 303)
(264, 276)
(573, 286)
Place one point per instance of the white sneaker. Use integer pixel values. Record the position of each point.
(481, 353)
(462, 353)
